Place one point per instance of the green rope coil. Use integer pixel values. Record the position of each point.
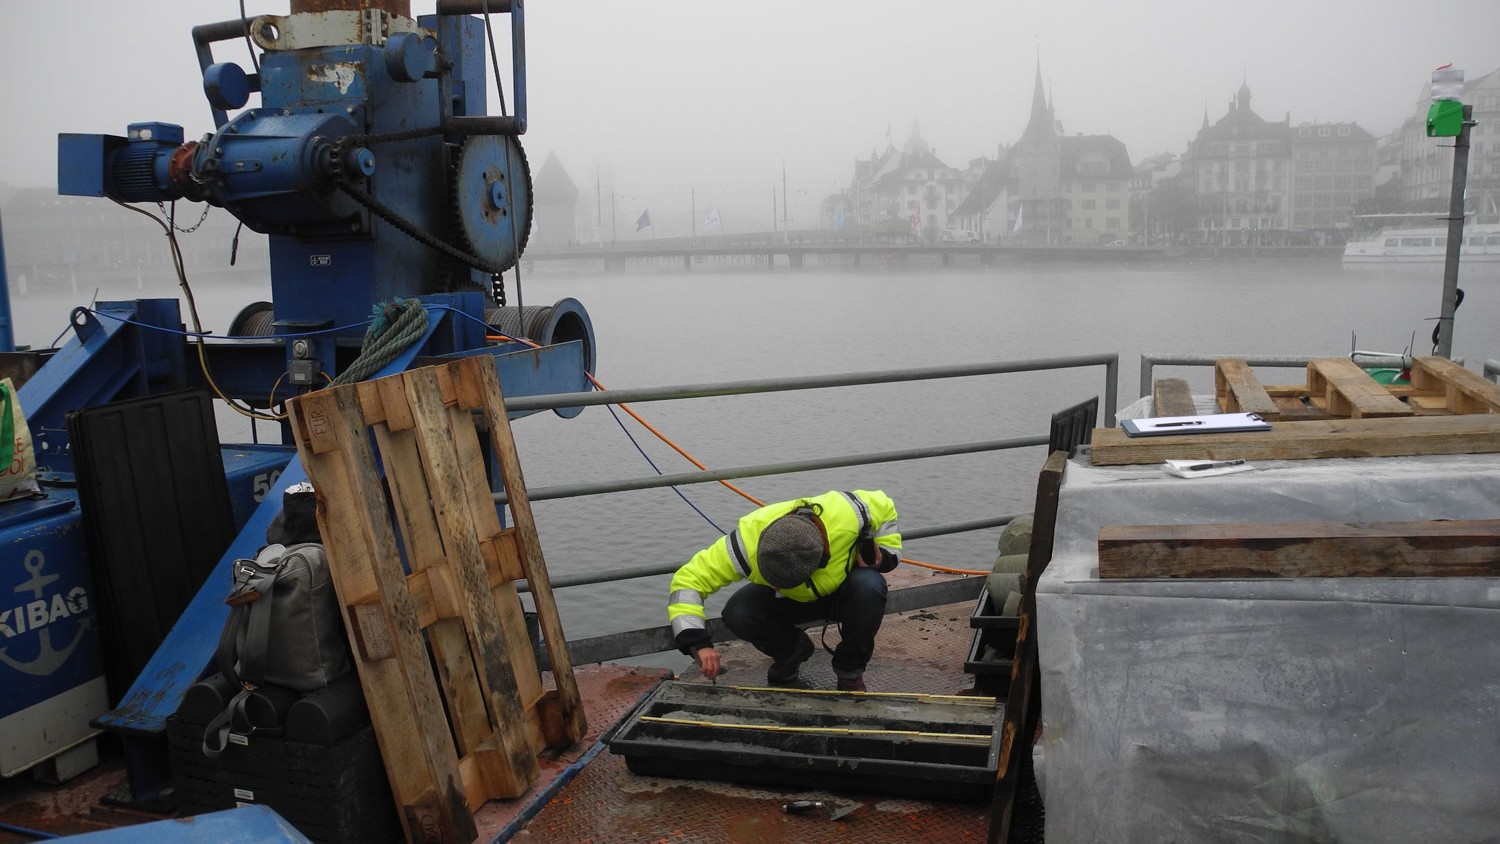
(393, 327)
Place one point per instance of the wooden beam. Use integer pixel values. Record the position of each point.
(1023, 704)
(1172, 397)
(1468, 434)
(1350, 391)
(1302, 549)
(1238, 390)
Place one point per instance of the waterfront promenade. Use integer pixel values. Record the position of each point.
(795, 250)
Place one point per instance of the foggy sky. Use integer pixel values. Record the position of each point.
(656, 100)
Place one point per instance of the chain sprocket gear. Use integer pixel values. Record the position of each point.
(492, 199)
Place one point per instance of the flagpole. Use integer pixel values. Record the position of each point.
(786, 233)
(694, 195)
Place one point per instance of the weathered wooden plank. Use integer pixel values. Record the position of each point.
(1238, 390)
(458, 520)
(1172, 397)
(1023, 704)
(1350, 391)
(363, 555)
(1391, 437)
(1302, 549)
(478, 377)
(1463, 391)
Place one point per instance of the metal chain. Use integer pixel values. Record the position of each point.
(388, 214)
(172, 217)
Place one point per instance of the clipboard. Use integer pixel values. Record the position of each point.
(1210, 423)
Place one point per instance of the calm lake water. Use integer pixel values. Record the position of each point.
(666, 327)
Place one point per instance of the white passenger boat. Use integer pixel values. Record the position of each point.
(1424, 245)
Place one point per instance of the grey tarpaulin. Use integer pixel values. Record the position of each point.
(1296, 709)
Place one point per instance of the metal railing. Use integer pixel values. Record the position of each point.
(659, 639)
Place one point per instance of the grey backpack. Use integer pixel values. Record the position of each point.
(283, 630)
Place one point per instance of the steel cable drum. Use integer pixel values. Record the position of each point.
(563, 322)
(257, 319)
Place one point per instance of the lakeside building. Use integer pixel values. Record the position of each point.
(1333, 171)
(1240, 167)
(1095, 175)
(1159, 203)
(1264, 182)
(1049, 188)
(986, 209)
(1067, 189)
(910, 185)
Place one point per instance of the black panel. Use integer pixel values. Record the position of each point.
(1073, 427)
(156, 515)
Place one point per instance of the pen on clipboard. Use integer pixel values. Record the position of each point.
(1178, 424)
(1217, 465)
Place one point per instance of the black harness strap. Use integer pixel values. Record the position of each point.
(739, 553)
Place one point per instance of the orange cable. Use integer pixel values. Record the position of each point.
(693, 460)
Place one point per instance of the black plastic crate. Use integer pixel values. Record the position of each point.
(911, 745)
(993, 647)
(331, 793)
(987, 614)
(320, 767)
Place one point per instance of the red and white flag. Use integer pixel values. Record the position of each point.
(916, 221)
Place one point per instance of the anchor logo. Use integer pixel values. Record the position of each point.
(48, 659)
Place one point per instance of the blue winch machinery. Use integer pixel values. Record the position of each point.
(360, 144)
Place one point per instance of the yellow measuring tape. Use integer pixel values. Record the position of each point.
(976, 700)
(841, 731)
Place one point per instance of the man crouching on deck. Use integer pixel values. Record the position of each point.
(806, 560)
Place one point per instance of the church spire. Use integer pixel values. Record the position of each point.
(1040, 124)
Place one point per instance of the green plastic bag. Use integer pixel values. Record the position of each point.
(17, 463)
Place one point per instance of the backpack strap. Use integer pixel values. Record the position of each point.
(216, 734)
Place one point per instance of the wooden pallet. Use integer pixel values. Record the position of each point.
(427, 577)
(1337, 388)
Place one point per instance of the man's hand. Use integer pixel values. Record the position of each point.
(884, 559)
(708, 661)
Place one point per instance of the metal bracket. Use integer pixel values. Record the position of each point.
(330, 29)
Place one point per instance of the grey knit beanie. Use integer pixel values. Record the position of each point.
(790, 550)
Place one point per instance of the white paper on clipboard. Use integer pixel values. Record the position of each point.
(1210, 423)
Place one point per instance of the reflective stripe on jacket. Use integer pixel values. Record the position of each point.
(733, 557)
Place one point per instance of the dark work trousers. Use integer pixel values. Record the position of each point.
(766, 620)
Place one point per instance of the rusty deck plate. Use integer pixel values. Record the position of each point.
(587, 796)
(920, 651)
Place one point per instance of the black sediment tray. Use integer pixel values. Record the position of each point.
(987, 614)
(934, 746)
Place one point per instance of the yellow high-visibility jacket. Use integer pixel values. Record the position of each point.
(733, 557)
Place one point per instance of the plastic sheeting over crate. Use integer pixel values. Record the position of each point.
(1327, 709)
